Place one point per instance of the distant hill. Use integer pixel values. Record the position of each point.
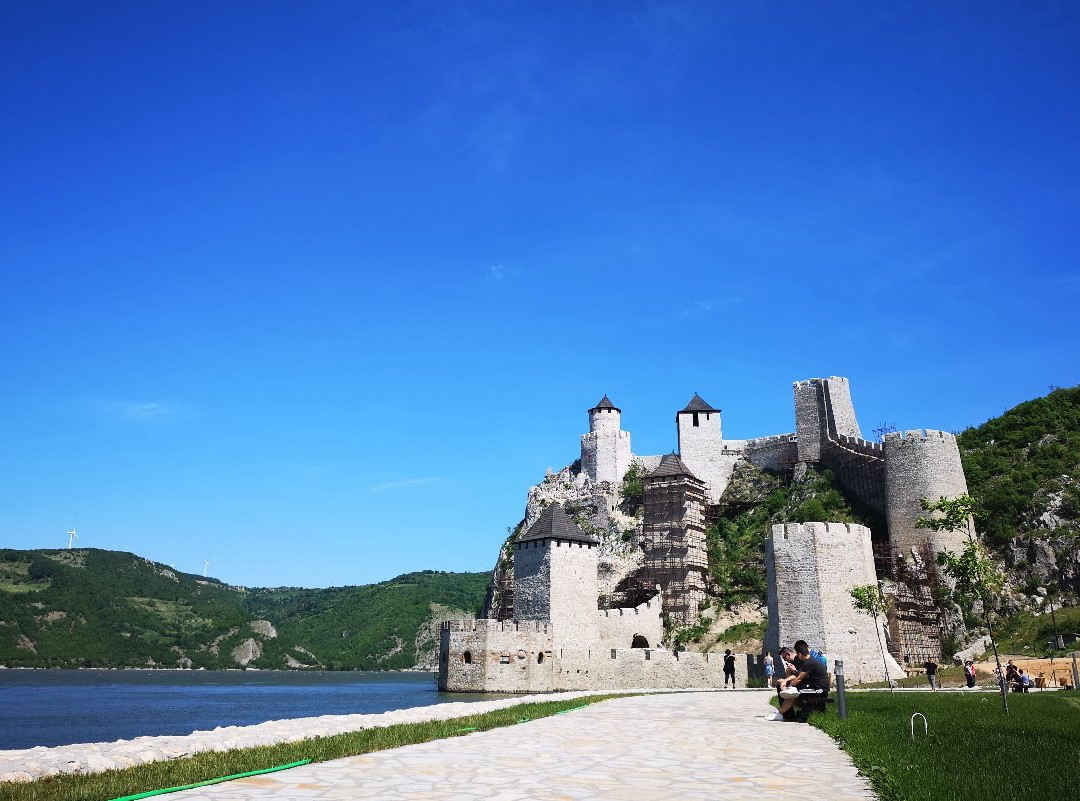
(1023, 468)
(87, 607)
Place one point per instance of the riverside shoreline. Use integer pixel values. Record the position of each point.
(21, 765)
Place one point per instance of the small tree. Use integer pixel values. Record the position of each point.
(870, 600)
(974, 575)
(633, 488)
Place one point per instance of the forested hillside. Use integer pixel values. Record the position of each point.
(1023, 468)
(92, 608)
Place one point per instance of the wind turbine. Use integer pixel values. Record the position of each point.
(205, 564)
(72, 536)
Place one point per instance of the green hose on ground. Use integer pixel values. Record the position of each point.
(149, 793)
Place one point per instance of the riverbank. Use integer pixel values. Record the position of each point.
(23, 765)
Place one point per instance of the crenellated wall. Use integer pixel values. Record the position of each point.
(524, 662)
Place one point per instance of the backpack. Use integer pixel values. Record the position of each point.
(820, 657)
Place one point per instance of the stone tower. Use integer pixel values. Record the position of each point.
(701, 446)
(605, 450)
(921, 464)
(816, 565)
(555, 576)
(674, 538)
(823, 410)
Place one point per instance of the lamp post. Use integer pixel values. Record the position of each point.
(841, 696)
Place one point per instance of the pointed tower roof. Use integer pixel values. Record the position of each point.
(670, 465)
(555, 524)
(605, 403)
(698, 404)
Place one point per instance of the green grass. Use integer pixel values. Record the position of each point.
(1027, 633)
(204, 766)
(972, 749)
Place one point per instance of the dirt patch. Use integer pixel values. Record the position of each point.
(1057, 672)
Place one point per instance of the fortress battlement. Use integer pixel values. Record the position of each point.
(768, 442)
(810, 382)
(899, 439)
(796, 530)
(651, 606)
(862, 445)
(487, 625)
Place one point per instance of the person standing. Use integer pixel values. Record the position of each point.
(969, 673)
(768, 668)
(729, 668)
(931, 674)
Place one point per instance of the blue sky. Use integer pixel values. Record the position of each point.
(315, 291)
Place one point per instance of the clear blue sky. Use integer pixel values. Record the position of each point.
(315, 291)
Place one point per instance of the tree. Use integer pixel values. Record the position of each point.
(869, 600)
(974, 575)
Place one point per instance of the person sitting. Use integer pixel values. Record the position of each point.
(811, 682)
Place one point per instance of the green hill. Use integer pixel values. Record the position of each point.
(92, 608)
(1023, 469)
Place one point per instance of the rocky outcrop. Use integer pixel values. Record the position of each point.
(247, 652)
(264, 628)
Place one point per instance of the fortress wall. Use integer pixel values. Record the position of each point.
(555, 581)
(817, 565)
(490, 659)
(574, 591)
(809, 419)
(701, 450)
(858, 470)
(841, 410)
(649, 463)
(519, 662)
(790, 564)
(777, 453)
(921, 464)
(532, 575)
(617, 627)
(605, 455)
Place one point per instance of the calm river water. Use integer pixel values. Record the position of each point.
(57, 707)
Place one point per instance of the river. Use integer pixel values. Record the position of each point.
(59, 707)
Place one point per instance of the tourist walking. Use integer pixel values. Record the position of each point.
(931, 674)
(729, 668)
(969, 673)
(768, 668)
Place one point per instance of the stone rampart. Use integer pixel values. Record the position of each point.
(921, 464)
(640, 626)
(778, 453)
(605, 455)
(524, 662)
(811, 570)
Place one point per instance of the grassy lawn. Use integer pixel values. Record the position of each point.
(973, 750)
(201, 767)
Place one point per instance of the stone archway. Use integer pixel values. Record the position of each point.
(639, 642)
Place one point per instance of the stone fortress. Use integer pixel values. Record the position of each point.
(581, 591)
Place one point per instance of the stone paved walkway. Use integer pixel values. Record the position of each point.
(685, 746)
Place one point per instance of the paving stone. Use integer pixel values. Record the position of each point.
(693, 745)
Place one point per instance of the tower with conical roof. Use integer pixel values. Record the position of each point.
(605, 450)
(555, 580)
(701, 445)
